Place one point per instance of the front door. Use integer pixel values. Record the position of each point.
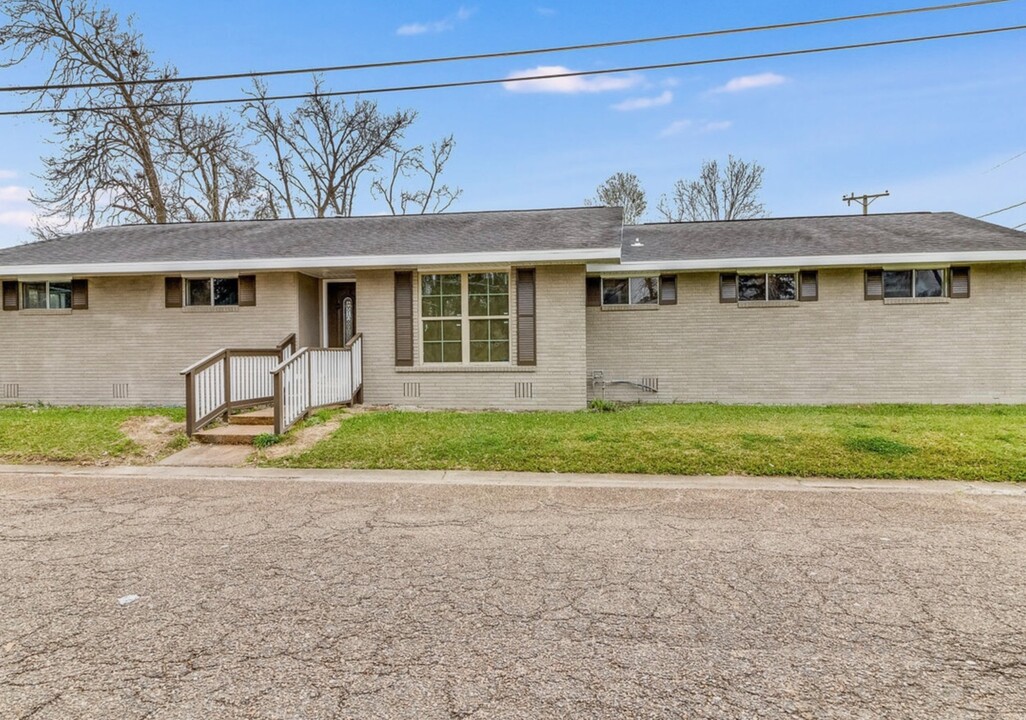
(341, 313)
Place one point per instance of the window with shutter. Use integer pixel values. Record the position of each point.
(728, 288)
(404, 319)
(668, 290)
(874, 285)
(527, 352)
(808, 286)
(959, 282)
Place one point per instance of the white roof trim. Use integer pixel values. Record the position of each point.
(312, 263)
(811, 261)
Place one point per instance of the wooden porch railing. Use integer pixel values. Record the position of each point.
(315, 378)
(230, 379)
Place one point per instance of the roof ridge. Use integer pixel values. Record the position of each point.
(790, 217)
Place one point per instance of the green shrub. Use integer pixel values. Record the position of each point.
(602, 405)
(266, 440)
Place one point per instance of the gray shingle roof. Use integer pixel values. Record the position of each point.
(901, 233)
(451, 233)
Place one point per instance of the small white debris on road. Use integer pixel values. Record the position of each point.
(127, 600)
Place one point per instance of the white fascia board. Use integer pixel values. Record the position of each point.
(314, 263)
(817, 261)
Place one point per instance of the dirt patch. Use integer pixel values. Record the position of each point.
(303, 439)
(153, 434)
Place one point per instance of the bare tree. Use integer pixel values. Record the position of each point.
(320, 151)
(622, 190)
(730, 194)
(120, 159)
(435, 197)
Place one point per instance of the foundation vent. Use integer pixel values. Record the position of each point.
(411, 389)
(120, 391)
(650, 384)
(523, 390)
(10, 391)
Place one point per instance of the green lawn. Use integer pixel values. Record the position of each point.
(81, 434)
(886, 441)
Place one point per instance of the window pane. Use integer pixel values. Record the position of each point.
(897, 283)
(450, 285)
(452, 306)
(479, 351)
(499, 329)
(431, 307)
(498, 305)
(60, 296)
(477, 305)
(489, 340)
(452, 352)
(478, 329)
(226, 291)
(615, 291)
(488, 294)
(452, 330)
(644, 291)
(782, 287)
(199, 292)
(432, 352)
(929, 283)
(499, 351)
(432, 331)
(751, 287)
(33, 296)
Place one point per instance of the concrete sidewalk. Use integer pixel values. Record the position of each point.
(481, 478)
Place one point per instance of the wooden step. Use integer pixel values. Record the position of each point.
(263, 416)
(233, 434)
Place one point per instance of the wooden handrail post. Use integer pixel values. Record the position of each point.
(227, 383)
(190, 406)
(279, 404)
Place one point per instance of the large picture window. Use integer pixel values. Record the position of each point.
(46, 295)
(630, 291)
(217, 292)
(767, 287)
(465, 317)
(914, 283)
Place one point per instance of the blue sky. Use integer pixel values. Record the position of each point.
(927, 122)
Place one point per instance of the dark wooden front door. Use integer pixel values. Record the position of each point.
(341, 313)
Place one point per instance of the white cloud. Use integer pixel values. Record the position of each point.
(567, 85)
(15, 209)
(436, 26)
(13, 193)
(17, 218)
(698, 128)
(8, 174)
(644, 103)
(751, 82)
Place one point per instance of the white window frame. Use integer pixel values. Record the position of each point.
(465, 317)
(765, 295)
(630, 298)
(945, 280)
(210, 283)
(24, 305)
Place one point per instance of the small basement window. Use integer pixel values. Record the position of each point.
(217, 292)
(630, 291)
(46, 295)
(767, 287)
(914, 283)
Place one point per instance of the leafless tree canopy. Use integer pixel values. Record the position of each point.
(118, 161)
(320, 151)
(728, 194)
(622, 190)
(431, 197)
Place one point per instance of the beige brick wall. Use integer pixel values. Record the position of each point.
(558, 381)
(841, 349)
(128, 336)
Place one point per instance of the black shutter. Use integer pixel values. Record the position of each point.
(728, 288)
(247, 290)
(874, 285)
(668, 290)
(172, 292)
(527, 350)
(959, 286)
(808, 285)
(593, 292)
(11, 299)
(404, 319)
(79, 294)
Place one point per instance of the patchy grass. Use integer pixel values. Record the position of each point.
(41, 434)
(886, 441)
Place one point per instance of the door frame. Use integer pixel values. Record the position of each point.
(324, 304)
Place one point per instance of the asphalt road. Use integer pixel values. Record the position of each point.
(315, 600)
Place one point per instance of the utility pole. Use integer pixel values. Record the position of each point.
(865, 200)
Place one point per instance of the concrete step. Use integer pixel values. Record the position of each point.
(232, 434)
(263, 416)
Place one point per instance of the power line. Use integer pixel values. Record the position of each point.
(1005, 209)
(532, 78)
(493, 55)
(1019, 227)
(1002, 164)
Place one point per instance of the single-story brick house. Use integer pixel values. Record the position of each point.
(520, 310)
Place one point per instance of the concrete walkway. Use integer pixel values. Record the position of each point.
(480, 478)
